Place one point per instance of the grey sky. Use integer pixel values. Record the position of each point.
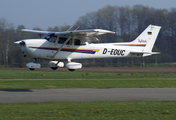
(50, 13)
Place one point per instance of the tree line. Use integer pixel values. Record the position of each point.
(128, 22)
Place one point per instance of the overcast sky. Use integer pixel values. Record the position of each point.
(50, 13)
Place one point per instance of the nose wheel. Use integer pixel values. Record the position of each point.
(31, 69)
(71, 70)
(54, 68)
(33, 65)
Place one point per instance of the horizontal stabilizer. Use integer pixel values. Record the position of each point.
(152, 53)
(144, 54)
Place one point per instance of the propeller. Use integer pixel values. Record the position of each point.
(22, 43)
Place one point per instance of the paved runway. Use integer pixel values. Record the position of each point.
(87, 95)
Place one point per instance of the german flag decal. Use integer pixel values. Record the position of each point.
(149, 33)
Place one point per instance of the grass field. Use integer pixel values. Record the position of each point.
(87, 110)
(16, 74)
(54, 84)
(76, 80)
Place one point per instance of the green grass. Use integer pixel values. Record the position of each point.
(53, 84)
(120, 80)
(89, 111)
(15, 74)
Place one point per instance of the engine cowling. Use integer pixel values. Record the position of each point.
(56, 64)
(73, 65)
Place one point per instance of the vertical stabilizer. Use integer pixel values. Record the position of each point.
(147, 39)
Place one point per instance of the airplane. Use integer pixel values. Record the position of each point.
(77, 44)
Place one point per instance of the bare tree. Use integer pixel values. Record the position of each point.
(6, 37)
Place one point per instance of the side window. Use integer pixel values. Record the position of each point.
(78, 42)
(62, 40)
(69, 42)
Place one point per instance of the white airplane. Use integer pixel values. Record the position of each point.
(70, 45)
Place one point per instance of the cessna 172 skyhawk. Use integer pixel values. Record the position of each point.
(70, 45)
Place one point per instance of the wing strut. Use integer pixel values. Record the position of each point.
(62, 46)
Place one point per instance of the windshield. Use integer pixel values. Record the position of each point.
(50, 37)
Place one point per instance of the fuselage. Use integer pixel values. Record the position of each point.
(43, 49)
(70, 45)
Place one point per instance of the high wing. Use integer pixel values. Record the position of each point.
(85, 35)
(35, 31)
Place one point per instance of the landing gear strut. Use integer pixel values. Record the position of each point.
(55, 64)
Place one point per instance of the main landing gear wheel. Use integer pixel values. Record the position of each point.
(31, 69)
(54, 68)
(71, 70)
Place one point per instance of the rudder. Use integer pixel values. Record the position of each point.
(147, 38)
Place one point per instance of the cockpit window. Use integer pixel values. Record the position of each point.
(77, 42)
(50, 37)
(53, 39)
(62, 40)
